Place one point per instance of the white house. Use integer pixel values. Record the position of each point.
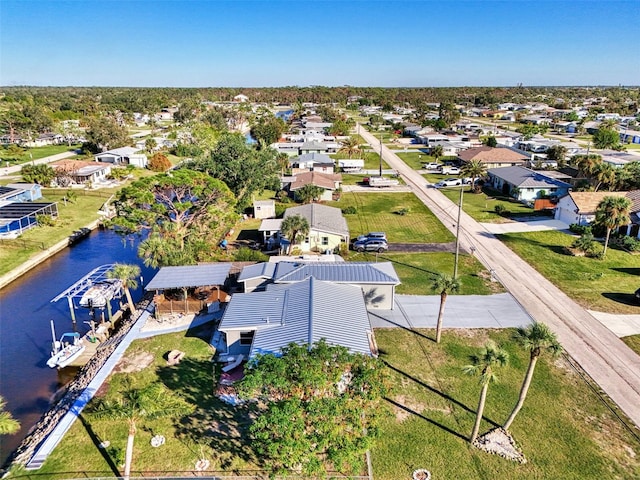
(123, 156)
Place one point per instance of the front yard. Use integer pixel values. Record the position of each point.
(605, 285)
(565, 430)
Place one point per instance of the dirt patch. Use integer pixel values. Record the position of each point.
(134, 363)
(400, 413)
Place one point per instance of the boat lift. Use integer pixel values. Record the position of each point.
(95, 276)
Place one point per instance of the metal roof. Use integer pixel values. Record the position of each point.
(347, 272)
(190, 276)
(304, 312)
(264, 269)
(524, 177)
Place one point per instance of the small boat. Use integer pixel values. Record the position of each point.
(100, 293)
(66, 350)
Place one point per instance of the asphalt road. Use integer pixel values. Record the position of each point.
(613, 365)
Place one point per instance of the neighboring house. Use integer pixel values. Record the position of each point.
(524, 184)
(17, 213)
(580, 208)
(328, 181)
(317, 162)
(629, 136)
(81, 172)
(328, 228)
(24, 192)
(264, 208)
(123, 156)
(351, 164)
(270, 229)
(494, 157)
(45, 139)
(241, 98)
(303, 312)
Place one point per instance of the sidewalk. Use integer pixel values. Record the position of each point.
(621, 325)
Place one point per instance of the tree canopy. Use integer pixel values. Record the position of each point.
(105, 133)
(322, 405)
(184, 212)
(607, 138)
(268, 129)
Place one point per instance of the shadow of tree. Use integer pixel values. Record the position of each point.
(219, 425)
(427, 419)
(628, 271)
(623, 298)
(96, 440)
(415, 332)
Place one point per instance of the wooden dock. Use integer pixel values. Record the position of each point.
(102, 334)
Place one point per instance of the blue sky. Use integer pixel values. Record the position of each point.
(383, 43)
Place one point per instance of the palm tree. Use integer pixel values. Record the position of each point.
(133, 405)
(436, 152)
(612, 212)
(8, 424)
(604, 173)
(128, 275)
(309, 193)
(474, 169)
(294, 227)
(536, 338)
(482, 364)
(350, 146)
(443, 284)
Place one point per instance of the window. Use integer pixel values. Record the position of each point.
(325, 240)
(306, 239)
(246, 338)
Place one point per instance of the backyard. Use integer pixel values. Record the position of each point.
(28, 154)
(565, 429)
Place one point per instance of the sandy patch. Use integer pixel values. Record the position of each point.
(134, 363)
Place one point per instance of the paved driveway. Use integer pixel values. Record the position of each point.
(461, 311)
(528, 226)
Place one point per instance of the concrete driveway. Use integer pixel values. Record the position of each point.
(461, 311)
(527, 226)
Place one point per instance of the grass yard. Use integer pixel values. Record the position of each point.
(376, 212)
(415, 159)
(633, 342)
(371, 159)
(564, 430)
(71, 216)
(417, 270)
(481, 206)
(605, 285)
(36, 153)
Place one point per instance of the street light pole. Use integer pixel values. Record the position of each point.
(455, 265)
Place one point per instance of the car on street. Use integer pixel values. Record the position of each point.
(373, 245)
(448, 182)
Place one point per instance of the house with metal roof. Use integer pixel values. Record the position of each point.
(377, 281)
(123, 156)
(81, 172)
(327, 227)
(302, 312)
(316, 162)
(525, 184)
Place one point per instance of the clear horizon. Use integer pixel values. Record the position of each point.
(260, 44)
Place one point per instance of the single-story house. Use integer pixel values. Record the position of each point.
(328, 181)
(123, 156)
(524, 184)
(630, 136)
(264, 208)
(45, 139)
(316, 162)
(16, 217)
(22, 192)
(580, 208)
(81, 172)
(494, 157)
(328, 229)
(376, 280)
(303, 312)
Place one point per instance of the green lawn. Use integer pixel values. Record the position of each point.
(564, 429)
(376, 211)
(633, 342)
(371, 159)
(34, 153)
(481, 206)
(72, 216)
(415, 159)
(605, 285)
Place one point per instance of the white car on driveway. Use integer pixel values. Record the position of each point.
(448, 182)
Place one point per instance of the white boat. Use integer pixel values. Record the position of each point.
(100, 293)
(66, 350)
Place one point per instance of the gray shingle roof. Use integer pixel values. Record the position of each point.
(189, 276)
(303, 312)
(321, 217)
(524, 177)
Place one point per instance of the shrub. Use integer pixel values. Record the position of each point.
(350, 210)
(244, 254)
(45, 220)
(579, 229)
(403, 211)
(159, 163)
(500, 209)
(630, 243)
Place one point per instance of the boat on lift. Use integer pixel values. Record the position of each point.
(66, 350)
(100, 293)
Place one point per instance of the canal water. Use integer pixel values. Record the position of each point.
(26, 383)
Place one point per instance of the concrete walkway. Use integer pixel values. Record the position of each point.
(461, 311)
(621, 325)
(611, 364)
(528, 226)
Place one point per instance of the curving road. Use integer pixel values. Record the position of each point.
(613, 365)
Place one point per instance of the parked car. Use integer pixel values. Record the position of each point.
(449, 169)
(374, 245)
(431, 166)
(448, 182)
(372, 236)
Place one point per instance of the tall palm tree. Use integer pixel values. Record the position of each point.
(482, 364)
(444, 285)
(128, 275)
(8, 424)
(133, 405)
(537, 338)
(294, 227)
(474, 169)
(612, 212)
(350, 146)
(604, 174)
(436, 152)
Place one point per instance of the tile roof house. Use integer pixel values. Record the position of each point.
(525, 184)
(580, 208)
(494, 157)
(328, 181)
